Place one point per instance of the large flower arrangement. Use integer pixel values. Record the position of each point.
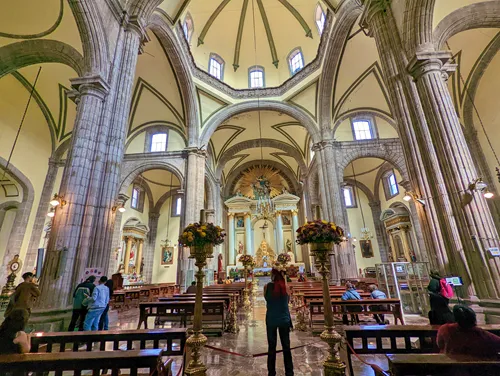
(320, 232)
(284, 258)
(199, 235)
(247, 261)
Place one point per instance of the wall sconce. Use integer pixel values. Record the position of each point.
(120, 208)
(477, 185)
(412, 196)
(354, 239)
(51, 213)
(57, 200)
(488, 194)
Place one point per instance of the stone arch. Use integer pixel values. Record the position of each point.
(135, 170)
(156, 126)
(249, 144)
(290, 178)
(474, 16)
(235, 109)
(29, 52)
(417, 28)
(362, 187)
(211, 192)
(20, 225)
(6, 206)
(380, 174)
(161, 201)
(363, 112)
(91, 27)
(180, 65)
(144, 185)
(346, 16)
(388, 150)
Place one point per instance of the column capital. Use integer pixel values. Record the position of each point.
(295, 212)
(248, 215)
(321, 145)
(141, 241)
(196, 151)
(372, 8)
(230, 215)
(277, 213)
(374, 204)
(153, 215)
(95, 85)
(425, 62)
(136, 24)
(406, 184)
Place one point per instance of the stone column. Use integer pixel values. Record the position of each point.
(379, 229)
(149, 253)
(439, 226)
(210, 215)
(126, 258)
(138, 259)
(295, 226)
(474, 220)
(248, 234)
(62, 269)
(41, 216)
(230, 232)
(279, 233)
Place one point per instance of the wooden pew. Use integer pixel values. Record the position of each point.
(383, 339)
(81, 361)
(225, 298)
(441, 364)
(170, 341)
(339, 308)
(309, 296)
(182, 310)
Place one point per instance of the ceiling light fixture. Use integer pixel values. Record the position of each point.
(488, 194)
(51, 213)
(407, 197)
(57, 200)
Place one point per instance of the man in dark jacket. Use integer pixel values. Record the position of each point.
(24, 296)
(83, 290)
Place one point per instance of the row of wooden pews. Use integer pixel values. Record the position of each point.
(412, 350)
(131, 297)
(114, 351)
(180, 308)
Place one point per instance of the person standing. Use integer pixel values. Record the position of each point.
(278, 320)
(440, 312)
(24, 296)
(97, 304)
(83, 290)
(377, 294)
(104, 320)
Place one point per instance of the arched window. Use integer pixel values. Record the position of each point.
(295, 61)
(137, 198)
(363, 129)
(256, 77)
(188, 27)
(320, 17)
(216, 66)
(177, 206)
(349, 197)
(390, 183)
(159, 142)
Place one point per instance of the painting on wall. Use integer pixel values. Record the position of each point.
(167, 255)
(240, 222)
(366, 248)
(286, 220)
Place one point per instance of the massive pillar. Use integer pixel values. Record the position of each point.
(449, 237)
(230, 232)
(248, 234)
(65, 259)
(376, 210)
(477, 228)
(295, 226)
(138, 259)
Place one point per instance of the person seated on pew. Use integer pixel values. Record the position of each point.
(464, 337)
(302, 278)
(377, 294)
(13, 338)
(220, 281)
(351, 294)
(191, 289)
(227, 281)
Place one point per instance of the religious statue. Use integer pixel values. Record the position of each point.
(238, 193)
(142, 266)
(240, 248)
(265, 255)
(284, 191)
(262, 188)
(219, 264)
(121, 269)
(288, 245)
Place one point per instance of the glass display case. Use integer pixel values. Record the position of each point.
(406, 281)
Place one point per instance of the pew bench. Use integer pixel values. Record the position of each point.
(170, 341)
(213, 313)
(383, 339)
(76, 363)
(370, 307)
(225, 298)
(440, 364)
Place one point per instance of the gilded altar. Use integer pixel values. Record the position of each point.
(265, 256)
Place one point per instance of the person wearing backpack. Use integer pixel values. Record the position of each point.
(440, 293)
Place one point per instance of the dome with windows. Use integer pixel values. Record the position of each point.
(253, 43)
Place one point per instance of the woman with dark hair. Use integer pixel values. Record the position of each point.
(440, 312)
(465, 338)
(278, 320)
(13, 339)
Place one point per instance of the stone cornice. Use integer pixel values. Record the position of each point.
(89, 85)
(196, 151)
(270, 92)
(429, 61)
(324, 144)
(157, 156)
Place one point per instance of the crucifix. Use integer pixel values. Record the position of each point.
(264, 228)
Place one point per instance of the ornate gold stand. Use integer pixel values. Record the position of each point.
(333, 365)
(197, 340)
(247, 305)
(232, 325)
(302, 312)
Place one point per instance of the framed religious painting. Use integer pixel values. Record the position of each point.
(240, 222)
(366, 248)
(167, 255)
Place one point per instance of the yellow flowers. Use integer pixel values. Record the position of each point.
(324, 222)
(203, 234)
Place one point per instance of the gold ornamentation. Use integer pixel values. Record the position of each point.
(252, 174)
(264, 254)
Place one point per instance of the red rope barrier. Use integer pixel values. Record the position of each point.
(259, 354)
(373, 366)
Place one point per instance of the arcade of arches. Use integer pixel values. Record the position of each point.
(382, 114)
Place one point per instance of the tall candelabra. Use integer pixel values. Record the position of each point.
(333, 366)
(246, 293)
(197, 340)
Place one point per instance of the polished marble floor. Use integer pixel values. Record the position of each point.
(251, 339)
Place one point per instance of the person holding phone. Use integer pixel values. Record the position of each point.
(97, 303)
